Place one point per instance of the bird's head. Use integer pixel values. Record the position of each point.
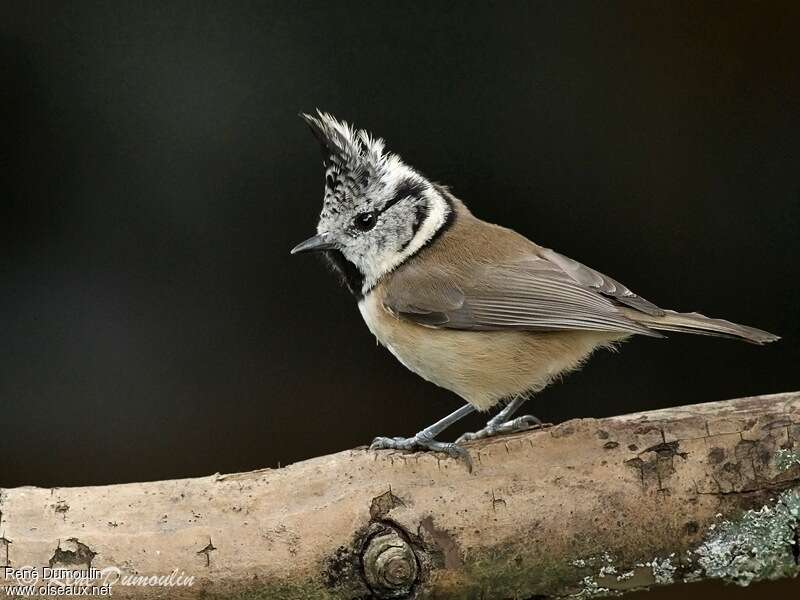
(377, 211)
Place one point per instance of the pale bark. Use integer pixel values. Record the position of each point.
(589, 504)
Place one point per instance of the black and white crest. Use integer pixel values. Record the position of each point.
(377, 211)
(355, 162)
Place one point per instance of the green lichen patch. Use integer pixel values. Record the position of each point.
(501, 569)
(612, 580)
(609, 578)
(590, 588)
(762, 544)
(663, 569)
(786, 459)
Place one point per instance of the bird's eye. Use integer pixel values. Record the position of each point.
(365, 221)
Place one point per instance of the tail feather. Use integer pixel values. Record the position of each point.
(701, 325)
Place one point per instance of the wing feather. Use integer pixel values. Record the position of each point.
(537, 292)
(603, 283)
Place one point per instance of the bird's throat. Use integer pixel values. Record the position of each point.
(352, 278)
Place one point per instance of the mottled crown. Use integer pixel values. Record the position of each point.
(354, 160)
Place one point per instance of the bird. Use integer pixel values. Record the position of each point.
(473, 307)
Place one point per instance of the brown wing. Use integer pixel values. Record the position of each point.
(541, 291)
(604, 284)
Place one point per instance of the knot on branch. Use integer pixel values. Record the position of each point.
(390, 565)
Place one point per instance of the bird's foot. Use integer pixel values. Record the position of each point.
(422, 442)
(492, 429)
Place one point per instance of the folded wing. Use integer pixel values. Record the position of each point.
(542, 291)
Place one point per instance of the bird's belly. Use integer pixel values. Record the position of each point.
(482, 367)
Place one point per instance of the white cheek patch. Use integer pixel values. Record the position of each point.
(378, 266)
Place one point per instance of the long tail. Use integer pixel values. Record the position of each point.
(701, 325)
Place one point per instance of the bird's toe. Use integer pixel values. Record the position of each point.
(522, 423)
(419, 442)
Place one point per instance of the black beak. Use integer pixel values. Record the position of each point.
(322, 241)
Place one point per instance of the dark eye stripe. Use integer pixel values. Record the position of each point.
(420, 214)
(404, 190)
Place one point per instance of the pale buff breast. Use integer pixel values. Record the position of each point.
(482, 367)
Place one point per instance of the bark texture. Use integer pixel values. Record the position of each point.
(585, 508)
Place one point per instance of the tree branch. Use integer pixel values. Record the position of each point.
(581, 508)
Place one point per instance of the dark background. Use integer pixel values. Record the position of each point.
(152, 322)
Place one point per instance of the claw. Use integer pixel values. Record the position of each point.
(422, 443)
(523, 423)
(396, 443)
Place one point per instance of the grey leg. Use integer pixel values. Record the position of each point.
(425, 438)
(503, 423)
